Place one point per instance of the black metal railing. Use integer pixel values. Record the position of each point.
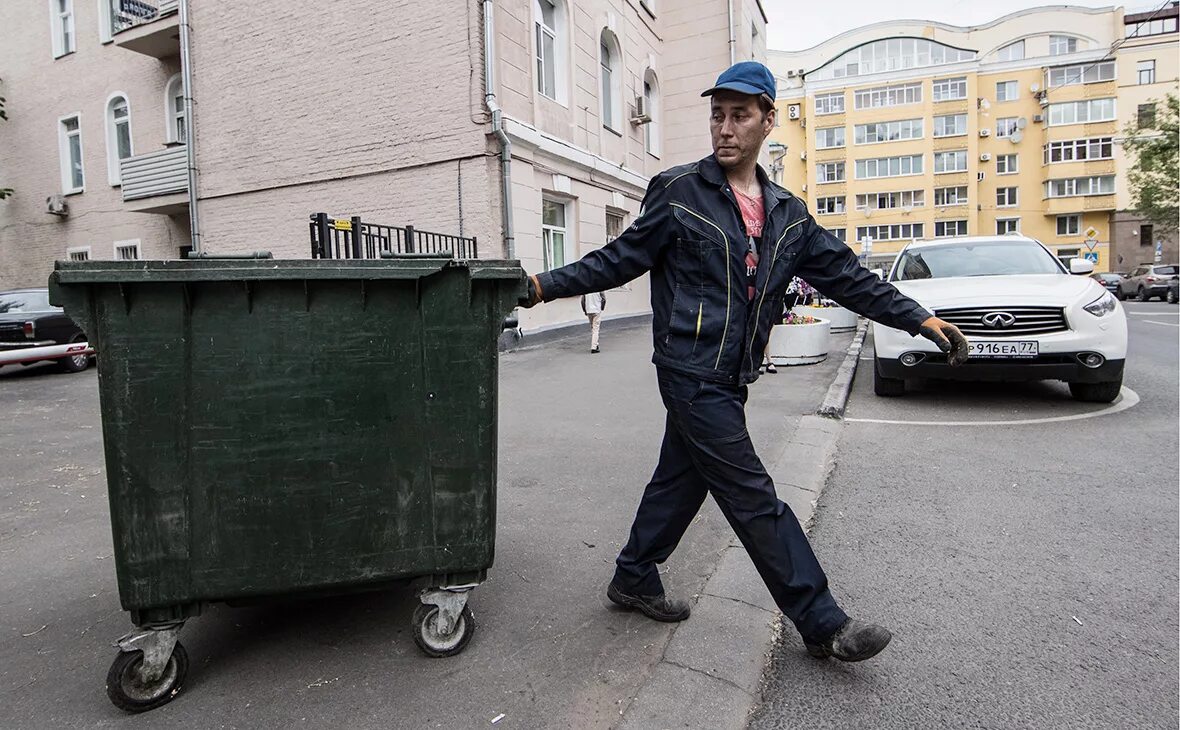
(352, 238)
(130, 13)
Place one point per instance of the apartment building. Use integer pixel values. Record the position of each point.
(299, 108)
(911, 130)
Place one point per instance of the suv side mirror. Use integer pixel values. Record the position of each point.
(1081, 266)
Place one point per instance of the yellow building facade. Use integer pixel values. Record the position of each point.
(911, 130)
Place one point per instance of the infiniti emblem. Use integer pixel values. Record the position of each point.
(999, 320)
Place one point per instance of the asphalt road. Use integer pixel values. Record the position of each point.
(579, 436)
(1028, 572)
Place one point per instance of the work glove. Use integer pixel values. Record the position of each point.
(533, 297)
(948, 338)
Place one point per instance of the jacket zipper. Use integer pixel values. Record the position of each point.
(758, 309)
(700, 316)
(724, 330)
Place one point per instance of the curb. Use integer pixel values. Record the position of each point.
(700, 680)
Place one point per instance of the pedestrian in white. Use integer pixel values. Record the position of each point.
(594, 305)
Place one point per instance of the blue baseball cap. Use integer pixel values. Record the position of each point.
(747, 77)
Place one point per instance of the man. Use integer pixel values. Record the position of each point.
(722, 243)
(593, 305)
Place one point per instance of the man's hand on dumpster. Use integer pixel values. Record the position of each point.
(948, 338)
(533, 297)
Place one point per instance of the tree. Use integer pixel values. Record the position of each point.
(1152, 140)
(4, 192)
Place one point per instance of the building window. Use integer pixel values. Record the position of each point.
(950, 89)
(1146, 71)
(61, 13)
(829, 138)
(611, 91)
(895, 232)
(950, 229)
(1074, 186)
(1007, 165)
(1011, 52)
(1097, 148)
(830, 103)
(889, 167)
(1059, 45)
(950, 125)
(554, 236)
(951, 161)
(1146, 116)
(1081, 73)
(888, 131)
(888, 55)
(1006, 197)
(69, 133)
(549, 37)
(1007, 91)
(651, 99)
(1069, 225)
(753, 41)
(887, 96)
(944, 197)
(1006, 126)
(174, 103)
(78, 253)
(127, 250)
(900, 199)
(1065, 255)
(829, 206)
(829, 172)
(614, 225)
(1005, 226)
(840, 233)
(1151, 27)
(1081, 112)
(118, 124)
(1146, 233)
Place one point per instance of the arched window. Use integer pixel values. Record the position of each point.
(174, 104)
(552, 42)
(1012, 52)
(651, 100)
(118, 123)
(890, 54)
(610, 89)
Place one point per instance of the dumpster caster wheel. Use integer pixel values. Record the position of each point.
(127, 689)
(434, 644)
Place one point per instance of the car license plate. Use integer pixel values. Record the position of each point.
(1014, 349)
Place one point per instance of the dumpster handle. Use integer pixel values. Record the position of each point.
(250, 255)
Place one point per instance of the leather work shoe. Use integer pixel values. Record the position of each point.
(855, 641)
(654, 607)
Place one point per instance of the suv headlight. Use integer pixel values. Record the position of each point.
(1102, 306)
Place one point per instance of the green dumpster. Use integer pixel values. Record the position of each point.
(275, 428)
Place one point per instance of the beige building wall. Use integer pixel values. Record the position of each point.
(40, 90)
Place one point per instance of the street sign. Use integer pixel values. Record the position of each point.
(1159, 251)
(1091, 243)
(1091, 256)
(1092, 232)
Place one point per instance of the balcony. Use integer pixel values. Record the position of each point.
(156, 182)
(150, 27)
(1079, 203)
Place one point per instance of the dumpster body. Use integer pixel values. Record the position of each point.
(275, 428)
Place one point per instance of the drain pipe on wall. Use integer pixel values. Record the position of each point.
(732, 37)
(186, 71)
(489, 97)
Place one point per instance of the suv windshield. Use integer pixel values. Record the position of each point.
(25, 301)
(988, 258)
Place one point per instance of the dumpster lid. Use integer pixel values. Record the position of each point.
(199, 270)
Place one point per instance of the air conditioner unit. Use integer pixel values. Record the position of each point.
(642, 114)
(979, 176)
(1035, 88)
(985, 157)
(793, 111)
(792, 74)
(803, 155)
(803, 187)
(1038, 118)
(985, 132)
(800, 72)
(56, 205)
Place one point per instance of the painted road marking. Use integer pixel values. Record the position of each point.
(1127, 399)
(1166, 324)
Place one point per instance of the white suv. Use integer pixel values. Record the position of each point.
(1025, 315)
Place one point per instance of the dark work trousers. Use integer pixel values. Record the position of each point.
(707, 449)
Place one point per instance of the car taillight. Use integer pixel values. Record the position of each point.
(30, 330)
(1151, 279)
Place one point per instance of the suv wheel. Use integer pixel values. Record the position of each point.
(1142, 296)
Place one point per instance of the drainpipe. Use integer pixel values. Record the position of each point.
(732, 37)
(186, 71)
(489, 97)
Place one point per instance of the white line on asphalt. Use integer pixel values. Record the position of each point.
(1155, 314)
(1166, 324)
(1127, 399)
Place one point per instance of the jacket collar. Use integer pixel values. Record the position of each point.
(712, 172)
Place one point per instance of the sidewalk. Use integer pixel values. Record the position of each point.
(579, 436)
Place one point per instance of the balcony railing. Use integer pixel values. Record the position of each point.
(154, 174)
(126, 14)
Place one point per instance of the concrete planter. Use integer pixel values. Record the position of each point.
(843, 320)
(799, 344)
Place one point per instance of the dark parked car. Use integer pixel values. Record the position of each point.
(1147, 281)
(1109, 281)
(32, 330)
(1173, 295)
